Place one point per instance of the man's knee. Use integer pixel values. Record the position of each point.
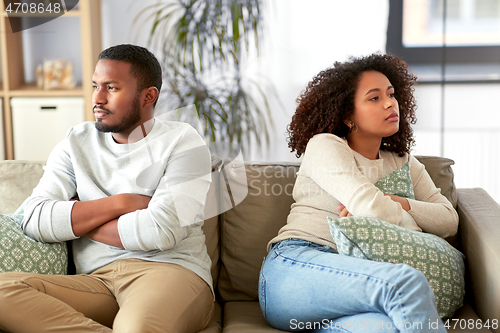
(145, 320)
(131, 326)
(9, 283)
(140, 322)
(11, 290)
(147, 325)
(13, 282)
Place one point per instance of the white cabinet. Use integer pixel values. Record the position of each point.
(40, 123)
(74, 36)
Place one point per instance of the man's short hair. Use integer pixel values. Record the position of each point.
(145, 67)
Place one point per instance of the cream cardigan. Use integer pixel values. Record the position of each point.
(332, 174)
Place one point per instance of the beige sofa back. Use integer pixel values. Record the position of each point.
(17, 180)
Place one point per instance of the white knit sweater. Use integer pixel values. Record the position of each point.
(91, 165)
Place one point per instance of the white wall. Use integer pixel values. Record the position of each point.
(302, 38)
(118, 26)
(471, 131)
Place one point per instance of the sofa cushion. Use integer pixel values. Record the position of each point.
(20, 253)
(247, 228)
(17, 180)
(245, 317)
(212, 236)
(439, 168)
(467, 318)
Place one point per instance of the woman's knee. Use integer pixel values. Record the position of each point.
(411, 280)
(408, 272)
(361, 323)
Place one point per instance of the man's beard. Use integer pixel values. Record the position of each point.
(131, 119)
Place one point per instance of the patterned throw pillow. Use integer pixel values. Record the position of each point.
(398, 183)
(371, 238)
(20, 253)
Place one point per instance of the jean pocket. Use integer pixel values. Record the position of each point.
(262, 293)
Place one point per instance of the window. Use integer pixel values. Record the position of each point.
(449, 40)
(453, 46)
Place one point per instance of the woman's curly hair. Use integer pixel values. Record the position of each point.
(328, 101)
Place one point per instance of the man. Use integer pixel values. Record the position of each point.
(129, 191)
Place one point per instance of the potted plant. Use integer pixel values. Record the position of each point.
(205, 45)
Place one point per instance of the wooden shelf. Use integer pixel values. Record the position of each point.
(33, 91)
(12, 65)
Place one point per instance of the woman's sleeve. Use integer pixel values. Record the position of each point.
(430, 209)
(330, 163)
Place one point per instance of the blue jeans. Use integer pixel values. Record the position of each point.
(304, 286)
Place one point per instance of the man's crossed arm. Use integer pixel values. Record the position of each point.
(98, 219)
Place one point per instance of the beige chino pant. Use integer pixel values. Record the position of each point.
(129, 295)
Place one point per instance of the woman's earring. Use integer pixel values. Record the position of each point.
(351, 125)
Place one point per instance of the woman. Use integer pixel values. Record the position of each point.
(352, 124)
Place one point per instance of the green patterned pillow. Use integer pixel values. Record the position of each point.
(20, 253)
(371, 238)
(398, 183)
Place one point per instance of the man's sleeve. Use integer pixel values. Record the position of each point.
(178, 202)
(47, 214)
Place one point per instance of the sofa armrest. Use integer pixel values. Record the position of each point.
(480, 234)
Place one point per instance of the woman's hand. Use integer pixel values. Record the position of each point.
(344, 212)
(403, 201)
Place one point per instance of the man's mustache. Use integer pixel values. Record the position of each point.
(100, 108)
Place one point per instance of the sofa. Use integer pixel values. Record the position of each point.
(238, 232)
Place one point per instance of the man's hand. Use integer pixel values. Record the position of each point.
(88, 215)
(107, 233)
(132, 202)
